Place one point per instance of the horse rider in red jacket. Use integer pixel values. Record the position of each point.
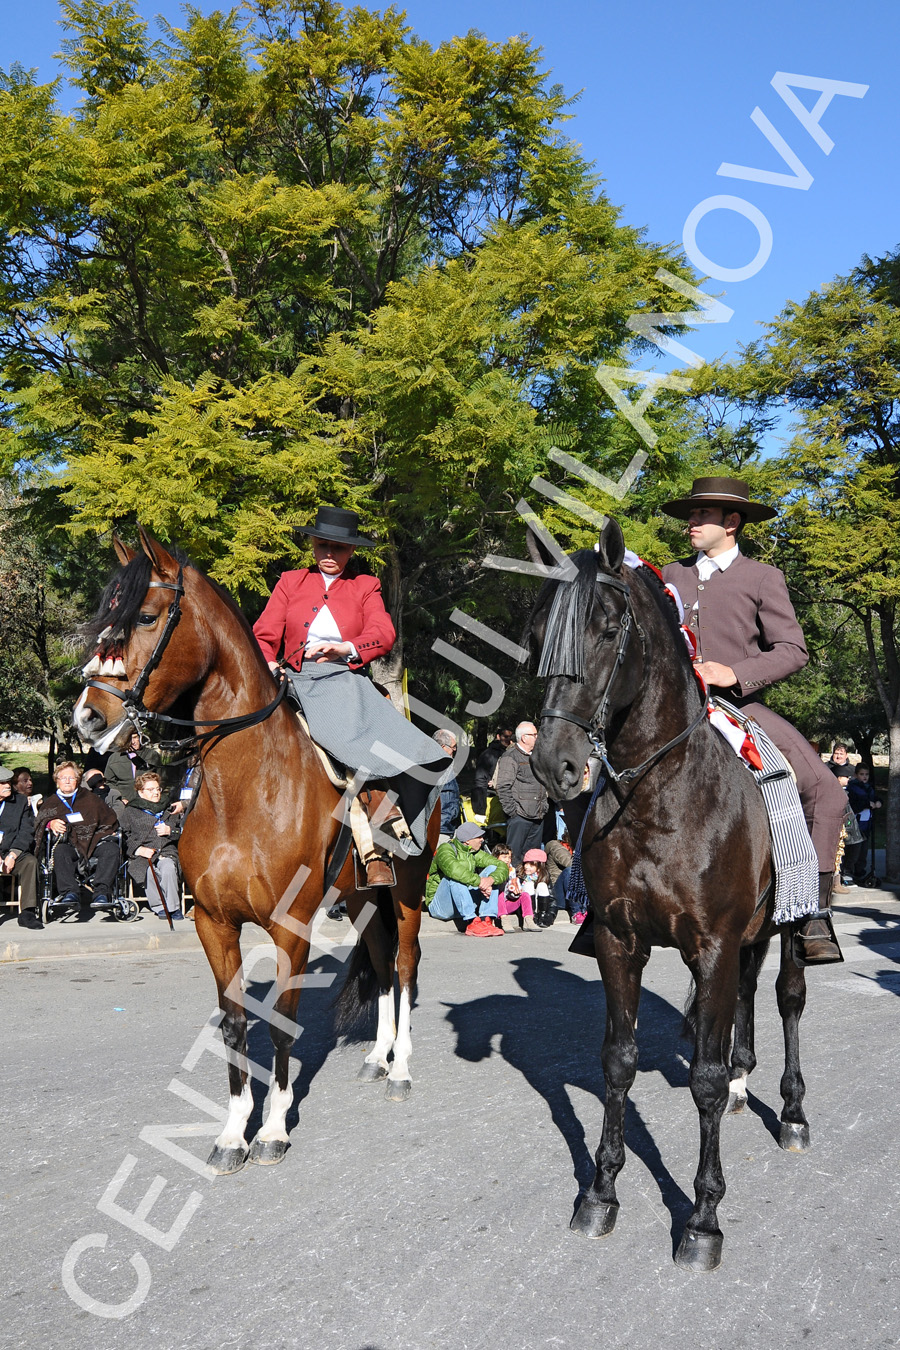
(322, 623)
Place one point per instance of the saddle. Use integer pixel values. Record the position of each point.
(377, 825)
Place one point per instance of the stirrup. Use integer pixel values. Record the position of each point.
(362, 884)
(803, 947)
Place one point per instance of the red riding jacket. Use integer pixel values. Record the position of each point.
(354, 601)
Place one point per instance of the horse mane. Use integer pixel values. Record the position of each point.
(571, 606)
(655, 585)
(121, 601)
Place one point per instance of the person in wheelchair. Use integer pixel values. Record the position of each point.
(151, 835)
(83, 834)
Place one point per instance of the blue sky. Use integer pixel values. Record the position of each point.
(667, 96)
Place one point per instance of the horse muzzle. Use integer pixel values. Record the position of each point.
(92, 726)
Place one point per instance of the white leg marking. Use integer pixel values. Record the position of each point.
(738, 1086)
(402, 1042)
(279, 1102)
(384, 1037)
(239, 1109)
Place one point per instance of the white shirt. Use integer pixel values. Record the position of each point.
(324, 626)
(706, 565)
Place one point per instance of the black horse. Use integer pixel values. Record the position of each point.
(676, 853)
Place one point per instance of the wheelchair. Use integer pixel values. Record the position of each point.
(119, 904)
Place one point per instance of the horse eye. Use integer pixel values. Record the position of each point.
(146, 620)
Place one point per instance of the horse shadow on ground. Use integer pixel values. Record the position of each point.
(553, 1035)
(316, 1035)
(884, 938)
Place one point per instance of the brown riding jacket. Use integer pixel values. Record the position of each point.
(744, 619)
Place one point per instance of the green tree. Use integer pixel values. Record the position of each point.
(308, 256)
(47, 588)
(835, 359)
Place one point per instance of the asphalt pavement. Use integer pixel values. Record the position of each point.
(443, 1221)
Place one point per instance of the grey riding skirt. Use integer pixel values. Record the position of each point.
(364, 731)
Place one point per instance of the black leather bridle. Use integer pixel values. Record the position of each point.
(133, 699)
(596, 728)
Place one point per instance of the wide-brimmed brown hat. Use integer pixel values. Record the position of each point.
(337, 525)
(728, 492)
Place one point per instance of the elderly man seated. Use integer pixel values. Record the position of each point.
(465, 879)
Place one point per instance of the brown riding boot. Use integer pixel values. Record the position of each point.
(374, 804)
(379, 872)
(814, 941)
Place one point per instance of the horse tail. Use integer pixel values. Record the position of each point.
(359, 994)
(689, 1016)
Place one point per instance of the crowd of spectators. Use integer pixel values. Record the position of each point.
(863, 801)
(502, 865)
(523, 885)
(70, 847)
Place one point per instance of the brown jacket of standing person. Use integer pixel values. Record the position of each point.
(744, 620)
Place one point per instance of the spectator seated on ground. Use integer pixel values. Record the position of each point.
(17, 848)
(559, 860)
(515, 899)
(151, 834)
(465, 880)
(82, 828)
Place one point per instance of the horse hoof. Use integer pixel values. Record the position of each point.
(793, 1138)
(398, 1089)
(267, 1152)
(595, 1219)
(371, 1073)
(735, 1105)
(224, 1161)
(699, 1251)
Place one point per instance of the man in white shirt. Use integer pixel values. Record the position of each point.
(748, 637)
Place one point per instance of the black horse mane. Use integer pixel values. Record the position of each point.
(121, 601)
(571, 606)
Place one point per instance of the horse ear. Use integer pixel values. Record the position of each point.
(612, 545)
(537, 549)
(163, 563)
(123, 552)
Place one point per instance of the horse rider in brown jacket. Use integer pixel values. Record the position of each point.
(748, 637)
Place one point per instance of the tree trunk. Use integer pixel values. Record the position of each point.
(892, 814)
(888, 686)
(388, 670)
(51, 754)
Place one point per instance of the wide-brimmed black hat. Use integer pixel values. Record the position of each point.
(728, 492)
(337, 525)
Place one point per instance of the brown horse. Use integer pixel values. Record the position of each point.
(265, 822)
(676, 853)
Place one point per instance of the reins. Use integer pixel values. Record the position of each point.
(133, 699)
(596, 728)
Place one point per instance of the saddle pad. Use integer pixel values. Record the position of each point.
(390, 836)
(337, 775)
(793, 856)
